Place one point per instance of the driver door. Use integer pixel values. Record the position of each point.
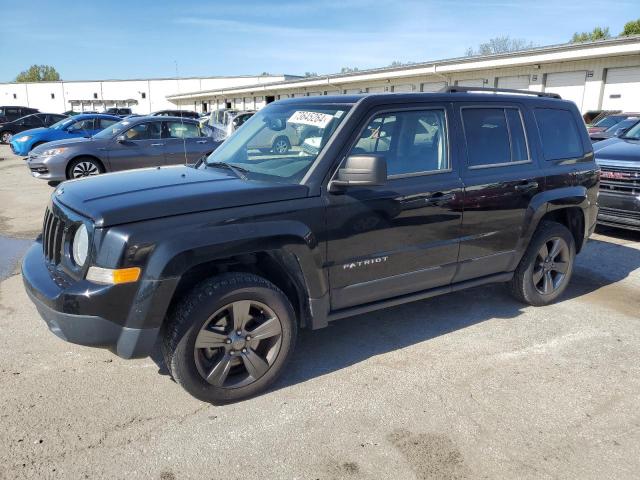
(142, 146)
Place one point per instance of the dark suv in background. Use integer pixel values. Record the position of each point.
(403, 197)
(35, 120)
(11, 113)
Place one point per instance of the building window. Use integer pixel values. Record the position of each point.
(53, 96)
(15, 96)
(95, 95)
(144, 94)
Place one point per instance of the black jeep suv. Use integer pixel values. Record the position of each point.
(398, 198)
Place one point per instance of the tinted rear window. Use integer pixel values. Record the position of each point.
(559, 134)
(495, 136)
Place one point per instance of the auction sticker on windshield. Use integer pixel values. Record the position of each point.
(315, 119)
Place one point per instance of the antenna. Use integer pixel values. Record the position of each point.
(184, 140)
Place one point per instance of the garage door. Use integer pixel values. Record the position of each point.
(375, 90)
(517, 82)
(315, 94)
(622, 90)
(479, 82)
(248, 103)
(569, 85)
(352, 91)
(432, 86)
(237, 104)
(334, 92)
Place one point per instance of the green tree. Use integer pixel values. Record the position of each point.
(504, 44)
(631, 28)
(597, 33)
(38, 73)
(348, 69)
(310, 74)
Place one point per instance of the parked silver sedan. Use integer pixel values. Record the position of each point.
(132, 143)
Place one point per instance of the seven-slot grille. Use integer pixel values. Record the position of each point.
(620, 179)
(53, 232)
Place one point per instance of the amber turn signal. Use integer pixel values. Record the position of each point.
(113, 276)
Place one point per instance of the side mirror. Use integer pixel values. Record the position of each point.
(121, 139)
(361, 171)
(621, 131)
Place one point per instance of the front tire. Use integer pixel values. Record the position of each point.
(84, 167)
(5, 137)
(281, 145)
(545, 269)
(229, 338)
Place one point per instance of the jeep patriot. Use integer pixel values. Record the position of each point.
(389, 199)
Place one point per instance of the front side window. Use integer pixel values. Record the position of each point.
(559, 134)
(281, 142)
(411, 142)
(81, 125)
(494, 136)
(182, 130)
(144, 131)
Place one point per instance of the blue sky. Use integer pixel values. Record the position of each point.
(140, 39)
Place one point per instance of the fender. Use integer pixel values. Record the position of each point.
(178, 253)
(543, 203)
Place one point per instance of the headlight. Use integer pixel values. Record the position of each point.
(23, 138)
(53, 151)
(80, 248)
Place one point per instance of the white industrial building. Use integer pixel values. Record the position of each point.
(143, 96)
(595, 75)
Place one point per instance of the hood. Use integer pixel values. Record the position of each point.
(33, 131)
(65, 142)
(149, 193)
(618, 149)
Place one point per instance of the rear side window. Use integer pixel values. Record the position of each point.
(558, 133)
(495, 136)
(182, 130)
(106, 122)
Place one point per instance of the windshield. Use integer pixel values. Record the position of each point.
(62, 123)
(633, 133)
(113, 130)
(623, 124)
(280, 142)
(609, 121)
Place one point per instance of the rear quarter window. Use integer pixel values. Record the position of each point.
(558, 133)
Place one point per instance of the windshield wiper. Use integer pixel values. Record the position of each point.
(239, 171)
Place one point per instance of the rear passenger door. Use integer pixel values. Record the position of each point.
(501, 176)
(184, 142)
(401, 237)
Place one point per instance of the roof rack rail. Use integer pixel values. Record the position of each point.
(456, 89)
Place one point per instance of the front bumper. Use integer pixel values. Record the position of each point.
(47, 168)
(19, 148)
(619, 210)
(60, 303)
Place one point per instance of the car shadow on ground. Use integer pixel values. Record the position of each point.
(353, 340)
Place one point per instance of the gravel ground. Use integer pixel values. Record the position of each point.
(469, 385)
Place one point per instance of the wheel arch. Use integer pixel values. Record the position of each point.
(292, 261)
(563, 205)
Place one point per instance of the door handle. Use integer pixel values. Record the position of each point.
(157, 144)
(526, 186)
(202, 141)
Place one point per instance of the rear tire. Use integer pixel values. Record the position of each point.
(545, 269)
(207, 340)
